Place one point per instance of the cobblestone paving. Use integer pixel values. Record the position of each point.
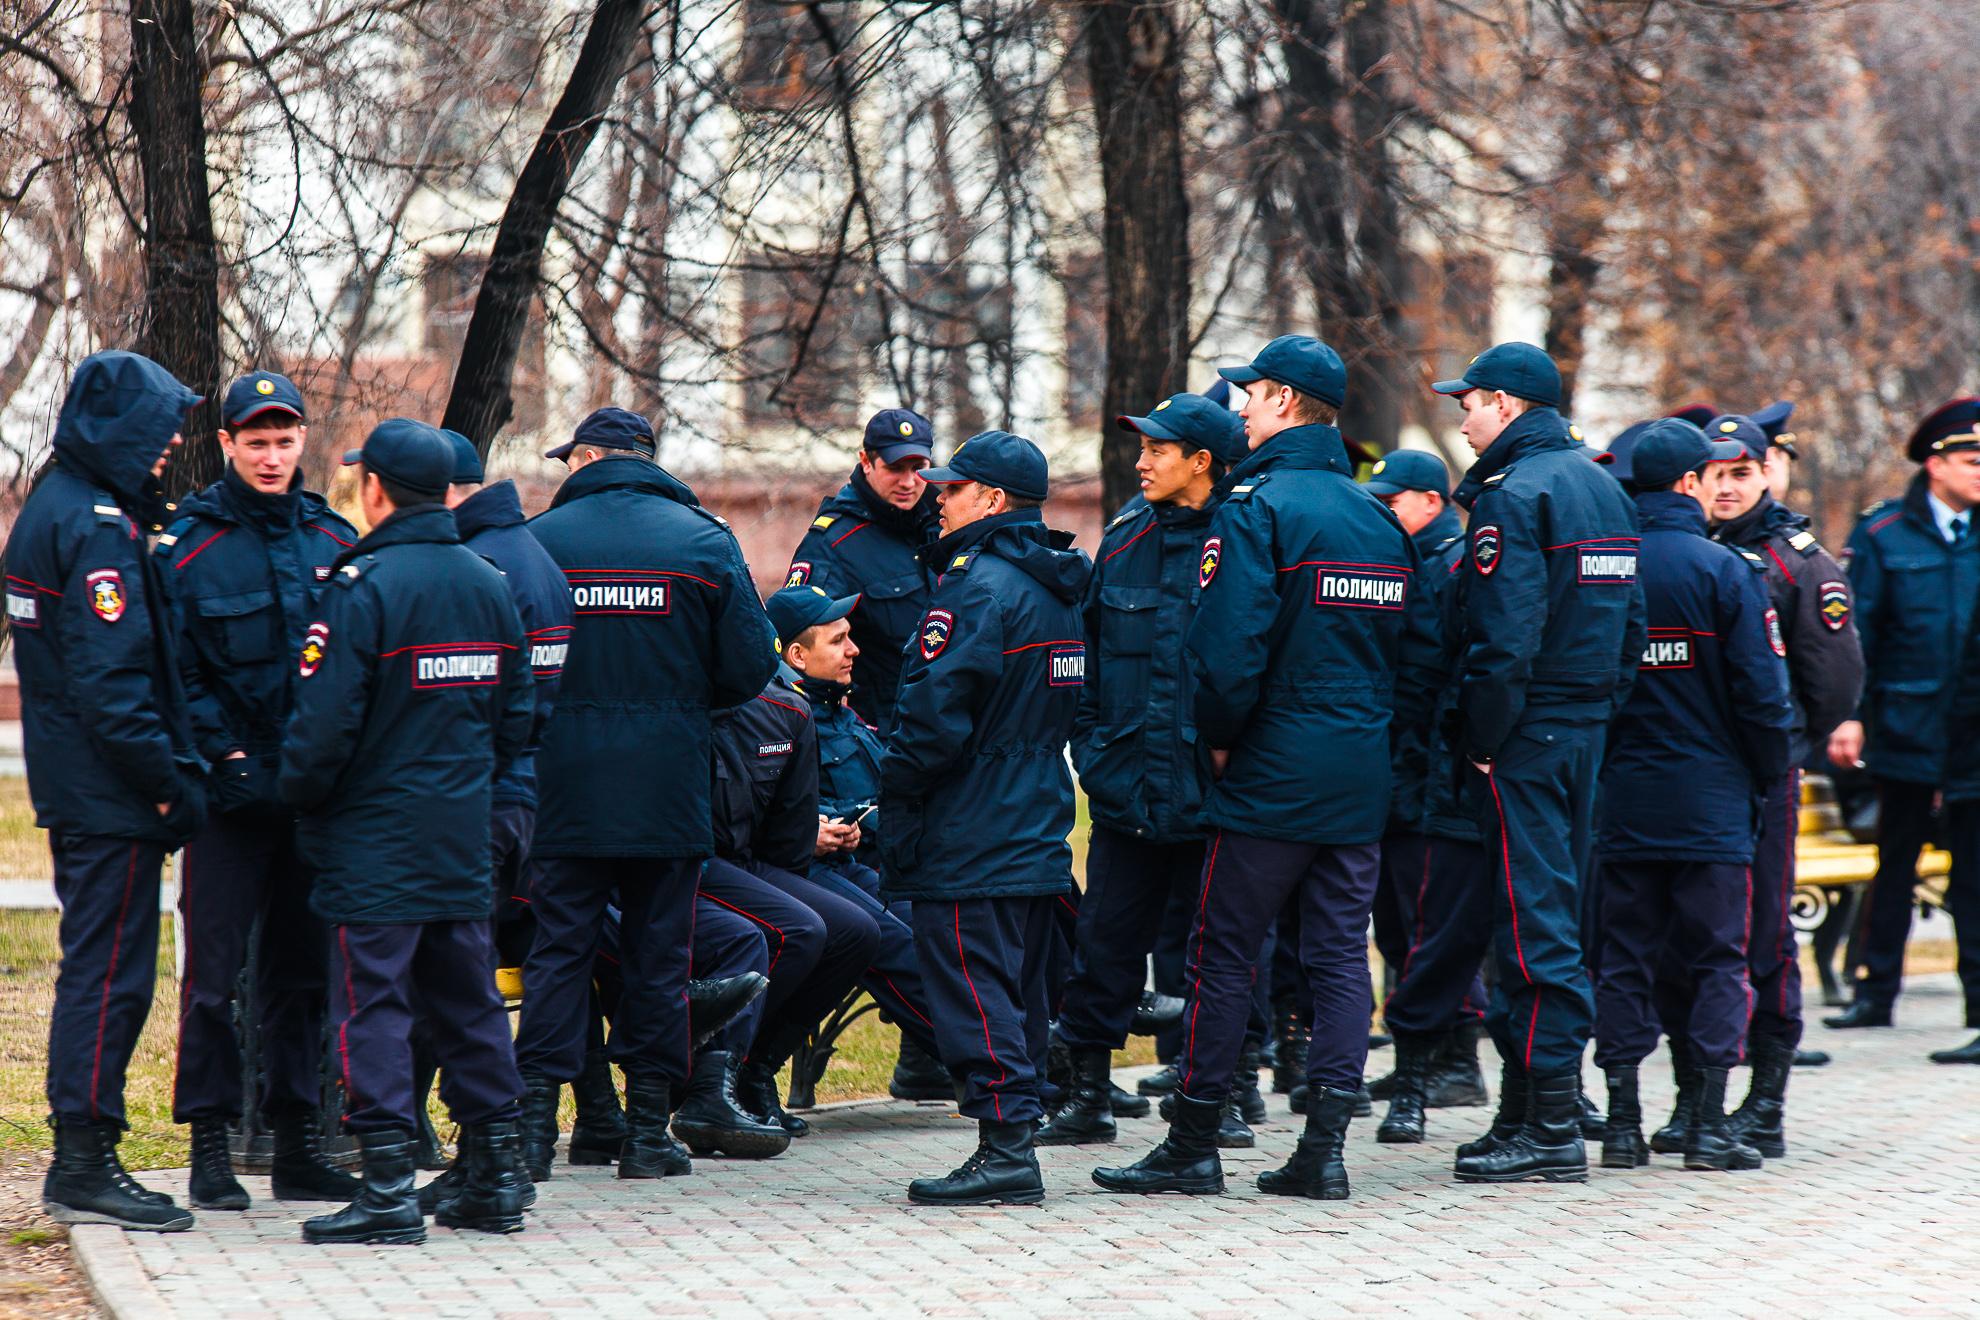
(1875, 1212)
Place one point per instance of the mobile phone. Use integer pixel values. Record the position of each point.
(860, 815)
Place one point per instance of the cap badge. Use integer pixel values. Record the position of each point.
(906, 428)
(1728, 428)
(1380, 463)
(264, 386)
(1163, 404)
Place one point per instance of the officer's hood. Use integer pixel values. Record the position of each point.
(623, 474)
(492, 506)
(121, 412)
(1020, 537)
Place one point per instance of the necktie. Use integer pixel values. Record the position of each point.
(1959, 530)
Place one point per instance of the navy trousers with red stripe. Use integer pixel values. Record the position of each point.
(1129, 884)
(1702, 910)
(1441, 892)
(1538, 819)
(983, 962)
(448, 967)
(893, 975)
(568, 897)
(244, 865)
(108, 889)
(1245, 883)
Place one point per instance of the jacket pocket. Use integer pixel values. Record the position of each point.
(1910, 714)
(1110, 770)
(243, 782)
(245, 625)
(1128, 619)
(900, 843)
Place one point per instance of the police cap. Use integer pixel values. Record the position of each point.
(1300, 361)
(1743, 431)
(1698, 414)
(1671, 447)
(1950, 426)
(1617, 456)
(260, 392)
(896, 433)
(1521, 370)
(793, 609)
(467, 459)
(1009, 462)
(407, 453)
(1773, 419)
(1409, 469)
(609, 428)
(1194, 421)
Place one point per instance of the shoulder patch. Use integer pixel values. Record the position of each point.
(936, 626)
(1774, 638)
(1832, 604)
(800, 573)
(1486, 546)
(823, 520)
(1206, 567)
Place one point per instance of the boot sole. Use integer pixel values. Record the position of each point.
(593, 1157)
(1085, 1139)
(631, 1173)
(736, 1145)
(1730, 1166)
(1398, 1137)
(237, 1202)
(398, 1237)
(497, 1224)
(1625, 1162)
(1543, 1175)
(1201, 1187)
(63, 1214)
(1308, 1191)
(1000, 1198)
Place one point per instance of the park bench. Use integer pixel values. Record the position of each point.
(1833, 870)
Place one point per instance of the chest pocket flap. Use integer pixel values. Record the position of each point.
(1128, 617)
(245, 623)
(893, 588)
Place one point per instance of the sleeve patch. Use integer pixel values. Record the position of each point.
(1206, 567)
(1067, 667)
(800, 574)
(106, 594)
(1832, 601)
(1487, 545)
(315, 642)
(936, 626)
(1774, 634)
(1610, 565)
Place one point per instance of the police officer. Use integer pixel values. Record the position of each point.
(112, 768)
(414, 694)
(978, 800)
(1135, 745)
(863, 543)
(819, 653)
(1313, 628)
(1962, 836)
(1811, 597)
(1915, 565)
(1437, 879)
(242, 567)
(667, 628)
(1552, 632)
(1701, 741)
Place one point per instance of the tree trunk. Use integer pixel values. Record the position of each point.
(1374, 410)
(1134, 64)
(480, 404)
(181, 325)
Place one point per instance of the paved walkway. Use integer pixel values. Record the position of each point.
(1876, 1212)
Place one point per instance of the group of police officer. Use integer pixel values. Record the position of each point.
(1573, 727)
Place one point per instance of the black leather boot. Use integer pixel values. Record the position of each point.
(1403, 1125)
(711, 1119)
(1160, 1082)
(1003, 1171)
(1244, 1084)
(1548, 1146)
(1233, 1133)
(1710, 1144)
(1514, 1100)
(1456, 1080)
(756, 1091)
(1086, 1116)
(1967, 1053)
(919, 1075)
(1593, 1121)
(600, 1131)
(386, 1212)
(1669, 1139)
(87, 1185)
(299, 1172)
(1296, 1098)
(1128, 1106)
(212, 1185)
(714, 1004)
(1383, 1087)
(1186, 1161)
(1289, 1022)
(489, 1196)
(1760, 1122)
(1860, 1013)
(649, 1152)
(1622, 1135)
(1156, 1013)
(538, 1126)
(1316, 1169)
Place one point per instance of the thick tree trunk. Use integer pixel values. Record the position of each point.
(181, 325)
(1134, 65)
(480, 403)
(1375, 409)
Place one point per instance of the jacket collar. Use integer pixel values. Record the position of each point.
(623, 474)
(1670, 511)
(1300, 447)
(492, 506)
(251, 508)
(1438, 530)
(917, 524)
(1534, 431)
(1028, 523)
(1759, 522)
(431, 524)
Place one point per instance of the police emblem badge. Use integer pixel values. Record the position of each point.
(106, 594)
(1486, 545)
(1213, 555)
(935, 630)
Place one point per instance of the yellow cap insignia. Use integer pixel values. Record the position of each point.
(1727, 428)
(1474, 359)
(264, 387)
(1160, 406)
(1380, 463)
(907, 428)
(818, 591)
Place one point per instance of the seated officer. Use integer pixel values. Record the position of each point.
(1701, 739)
(243, 567)
(111, 766)
(1135, 744)
(1435, 874)
(414, 695)
(978, 800)
(818, 659)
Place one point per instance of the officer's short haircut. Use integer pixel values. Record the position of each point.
(401, 497)
(1309, 411)
(270, 419)
(1020, 502)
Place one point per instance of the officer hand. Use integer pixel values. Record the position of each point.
(164, 808)
(1218, 762)
(832, 837)
(1846, 744)
(1482, 767)
(852, 837)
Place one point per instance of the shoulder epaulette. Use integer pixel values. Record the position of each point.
(1872, 510)
(107, 511)
(823, 520)
(959, 563)
(1755, 562)
(1447, 543)
(1125, 515)
(1496, 477)
(1804, 541)
(350, 573)
(1243, 490)
(173, 533)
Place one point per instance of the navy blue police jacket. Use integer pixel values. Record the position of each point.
(766, 779)
(104, 722)
(1425, 798)
(1553, 613)
(849, 752)
(667, 628)
(974, 783)
(243, 571)
(413, 693)
(1914, 605)
(1314, 629)
(1811, 596)
(1706, 726)
(491, 524)
(1134, 743)
(861, 545)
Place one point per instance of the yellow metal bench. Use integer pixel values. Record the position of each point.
(1828, 862)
